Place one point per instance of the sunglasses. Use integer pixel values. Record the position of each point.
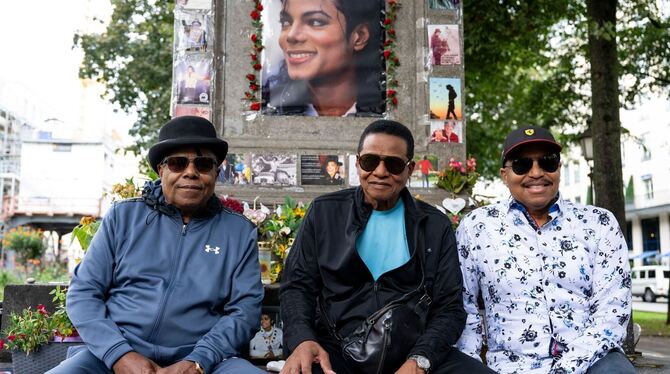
(548, 163)
(369, 162)
(177, 164)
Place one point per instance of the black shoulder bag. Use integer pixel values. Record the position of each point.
(383, 341)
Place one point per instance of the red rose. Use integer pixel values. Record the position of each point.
(2, 344)
(387, 43)
(255, 106)
(253, 86)
(257, 66)
(259, 7)
(251, 77)
(254, 38)
(387, 21)
(390, 93)
(248, 95)
(391, 32)
(255, 15)
(11, 338)
(254, 57)
(392, 2)
(396, 61)
(387, 53)
(394, 100)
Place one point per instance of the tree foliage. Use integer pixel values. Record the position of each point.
(133, 59)
(527, 62)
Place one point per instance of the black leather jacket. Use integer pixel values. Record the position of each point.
(324, 263)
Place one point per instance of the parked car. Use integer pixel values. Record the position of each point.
(650, 282)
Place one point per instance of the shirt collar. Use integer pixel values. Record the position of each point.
(555, 208)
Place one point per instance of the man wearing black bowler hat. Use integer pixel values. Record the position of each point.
(171, 282)
(358, 251)
(553, 274)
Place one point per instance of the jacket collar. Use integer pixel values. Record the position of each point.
(411, 205)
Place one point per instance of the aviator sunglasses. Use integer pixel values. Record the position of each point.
(548, 163)
(369, 162)
(177, 164)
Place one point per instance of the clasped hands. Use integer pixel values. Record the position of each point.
(135, 363)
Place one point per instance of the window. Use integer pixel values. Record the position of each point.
(648, 183)
(566, 174)
(666, 273)
(577, 171)
(633, 274)
(646, 152)
(643, 274)
(578, 199)
(64, 147)
(652, 274)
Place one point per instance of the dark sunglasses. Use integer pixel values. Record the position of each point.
(177, 164)
(369, 162)
(548, 163)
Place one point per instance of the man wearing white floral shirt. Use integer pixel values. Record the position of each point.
(554, 275)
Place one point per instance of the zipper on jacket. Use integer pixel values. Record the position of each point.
(168, 290)
(375, 289)
(382, 358)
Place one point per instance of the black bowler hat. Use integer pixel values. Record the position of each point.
(527, 135)
(183, 132)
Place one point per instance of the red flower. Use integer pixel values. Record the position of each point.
(393, 2)
(22, 336)
(387, 53)
(232, 204)
(387, 43)
(390, 93)
(259, 7)
(248, 95)
(455, 218)
(255, 15)
(42, 310)
(253, 86)
(396, 61)
(254, 38)
(391, 32)
(11, 338)
(251, 77)
(387, 21)
(394, 100)
(255, 106)
(2, 344)
(257, 66)
(254, 57)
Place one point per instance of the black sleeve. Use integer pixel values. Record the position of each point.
(301, 284)
(446, 318)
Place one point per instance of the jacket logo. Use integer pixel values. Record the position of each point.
(208, 249)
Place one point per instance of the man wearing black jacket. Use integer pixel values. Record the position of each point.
(361, 248)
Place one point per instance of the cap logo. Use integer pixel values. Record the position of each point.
(529, 132)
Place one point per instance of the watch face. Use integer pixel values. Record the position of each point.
(421, 362)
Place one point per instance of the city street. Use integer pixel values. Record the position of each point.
(660, 306)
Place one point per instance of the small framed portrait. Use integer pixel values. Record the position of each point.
(444, 4)
(193, 81)
(446, 131)
(235, 169)
(445, 98)
(325, 170)
(425, 172)
(444, 45)
(267, 342)
(191, 31)
(323, 58)
(274, 169)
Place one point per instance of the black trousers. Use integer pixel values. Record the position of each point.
(456, 362)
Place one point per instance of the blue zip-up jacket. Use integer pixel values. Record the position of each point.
(166, 290)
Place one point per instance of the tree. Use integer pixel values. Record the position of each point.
(133, 59)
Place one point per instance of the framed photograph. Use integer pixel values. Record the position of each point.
(274, 169)
(353, 172)
(193, 4)
(267, 343)
(191, 32)
(447, 131)
(445, 98)
(444, 44)
(193, 77)
(425, 172)
(323, 60)
(326, 170)
(444, 4)
(203, 111)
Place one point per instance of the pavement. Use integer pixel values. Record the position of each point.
(654, 355)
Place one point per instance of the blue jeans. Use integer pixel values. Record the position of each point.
(614, 363)
(81, 361)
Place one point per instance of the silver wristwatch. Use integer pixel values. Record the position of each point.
(421, 361)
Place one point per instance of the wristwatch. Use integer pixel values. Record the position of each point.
(421, 361)
(198, 368)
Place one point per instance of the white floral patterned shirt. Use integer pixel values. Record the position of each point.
(564, 286)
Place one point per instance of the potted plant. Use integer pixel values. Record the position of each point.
(35, 336)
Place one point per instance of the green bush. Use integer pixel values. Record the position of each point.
(28, 244)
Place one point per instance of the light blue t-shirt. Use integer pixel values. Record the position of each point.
(383, 243)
